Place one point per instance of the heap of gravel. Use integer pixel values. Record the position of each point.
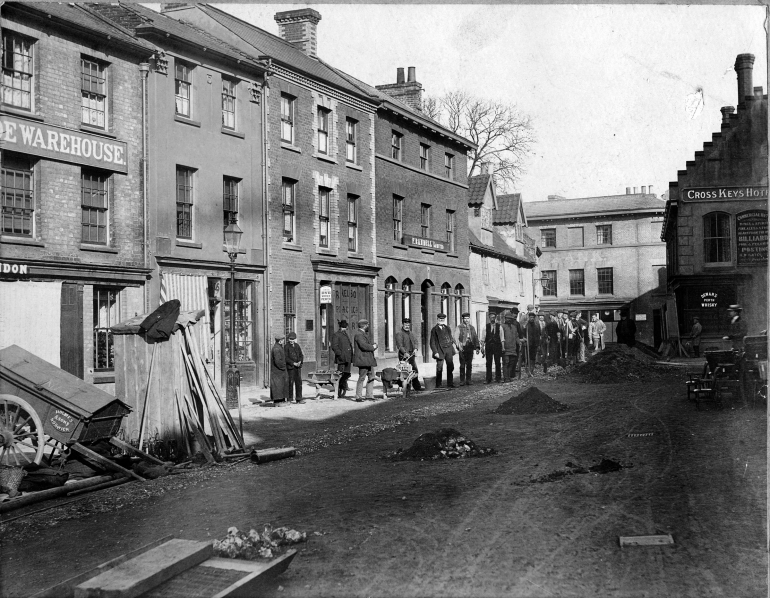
(532, 400)
(446, 443)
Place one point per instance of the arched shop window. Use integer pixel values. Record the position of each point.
(458, 303)
(406, 299)
(390, 313)
(716, 237)
(446, 289)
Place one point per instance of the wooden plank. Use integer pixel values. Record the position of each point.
(195, 429)
(248, 586)
(145, 571)
(659, 540)
(35, 497)
(66, 589)
(87, 452)
(127, 447)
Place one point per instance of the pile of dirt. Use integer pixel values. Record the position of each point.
(532, 400)
(617, 363)
(446, 443)
(605, 466)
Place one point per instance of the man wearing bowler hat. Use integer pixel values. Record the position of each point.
(442, 344)
(342, 346)
(364, 360)
(467, 342)
(738, 328)
(294, 360)
(406, 345)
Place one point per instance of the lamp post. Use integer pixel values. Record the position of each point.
(231, 248)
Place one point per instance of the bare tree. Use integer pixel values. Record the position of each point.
(504, 135)
(431, 108)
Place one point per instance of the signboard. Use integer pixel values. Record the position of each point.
(640, 317)
(752, 237)
(724, 193)
(63, 421)
(13, 271)
(709, 299)
(325, 295)
(424, 243)
(58, 143)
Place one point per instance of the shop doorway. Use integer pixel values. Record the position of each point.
(71, 344)
(351, 302)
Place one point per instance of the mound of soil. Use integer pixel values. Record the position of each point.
(532, 400)
(617, 363)
(446, 443)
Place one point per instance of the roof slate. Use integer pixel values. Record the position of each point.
(477, 187)
(554, 208)
(507, 211)
(499, 246)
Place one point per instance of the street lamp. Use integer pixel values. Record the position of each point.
(545, 282)
(231, 248)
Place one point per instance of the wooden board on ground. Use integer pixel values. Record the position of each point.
(140, 574)
(659, 540)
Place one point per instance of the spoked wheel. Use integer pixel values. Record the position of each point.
(21, 432)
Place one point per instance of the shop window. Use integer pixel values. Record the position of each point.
(289, 307)
(244, 320)
(288, 109)
(352, 223)
(93, 91)
(604, 234)
(398, 217)
(549, 288)
(324, 195)
(390, 314)
(459, 290)
(288, 192)
(406, 299)
(446, 289)
(605, 280)
(184, 202)
(324, 116)
(228, 103)
(450, 230)
(17, 70)
(716, 238)
(106, 313)
(577, 282)
(183, 89)
(230, 199)
(18, 195)
(548, 237)
(351, 141)
(94, 193)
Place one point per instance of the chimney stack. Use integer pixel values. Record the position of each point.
(644, 189)
(634, 190)
(298, 27)
(410, 93)
(628, 190)
(649, 190)
(726, 112)
(744, 65)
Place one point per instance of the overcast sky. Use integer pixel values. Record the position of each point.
(613, 90)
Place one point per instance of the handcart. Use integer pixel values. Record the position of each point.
(45, 411)
(402, 377)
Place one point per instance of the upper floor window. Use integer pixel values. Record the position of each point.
(716, 238)
(604, 234)
(228, 103)
(577, 282)
(351, 141)
(289, 307)
(398, 218)
(352, 223)
(324, 195)
(395, 145)
(94, 206)
(450, 230)
(93, 91)
(549, 288)
(288, 190)
(323, 130)
(18, 197)
(17, 70)
(449, 165)
(183, 89)
(184, 202)
(425, 220)
(575, 236)
(424, 156)
(230, 199)
(605, 280)
(288, 107)
(106, 313)
(548, 237)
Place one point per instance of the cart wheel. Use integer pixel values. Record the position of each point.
(21, 432)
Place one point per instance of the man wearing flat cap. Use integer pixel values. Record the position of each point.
(467, 341)
(364, 360)
(738, 328)
(294, 361)
(407, 345)
(278, 380)
(342, 347)
(442, 345)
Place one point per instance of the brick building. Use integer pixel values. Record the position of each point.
(603, 254)
(715, 225)
(320, 187)
(205, 150)
(72, 204)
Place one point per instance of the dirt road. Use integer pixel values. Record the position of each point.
(489, 526)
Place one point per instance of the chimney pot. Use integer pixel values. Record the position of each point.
(644, 189)
(726, 112)
(298, 27)
(758, 92)
(400, 75)
(649, 190)
(412, 75)
(744, 65)
(628, 190)
(634, 190)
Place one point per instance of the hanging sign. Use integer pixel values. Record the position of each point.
(325, 295)
(752, 237)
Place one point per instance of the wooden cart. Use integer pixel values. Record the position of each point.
(721, 377)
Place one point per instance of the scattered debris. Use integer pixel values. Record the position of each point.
(659, 540)
(618, 363)
(532, 400)
(605, 466)
(446, 443)
(255, 545)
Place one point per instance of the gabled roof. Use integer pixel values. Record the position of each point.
(507, 211)
(499, 249)
(629, 203)
(477, 189)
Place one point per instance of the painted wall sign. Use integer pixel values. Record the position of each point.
(325, 295)
(58, 143)
(708, 299)
(414, 241)
(724, 193)
(63, 421)
(751, 228)
(13, 271)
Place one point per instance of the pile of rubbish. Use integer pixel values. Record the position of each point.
(605, 466)
(445, 443)
(255, 545)
(617, 363)
(532, 400)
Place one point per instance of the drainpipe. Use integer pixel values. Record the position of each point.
(265, 244)
(144, 69)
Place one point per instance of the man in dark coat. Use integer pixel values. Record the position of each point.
(364, 360)
(553, 335)
(442, 345)
(738, 328)
(493, 348)
(532, 339)
(278, 380)
(294, 360)
(467, 342)
(626, 329)
(406, 344)
(342, 346)
(583, 330)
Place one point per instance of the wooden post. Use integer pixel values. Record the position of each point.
(87, 452)
(127, 447)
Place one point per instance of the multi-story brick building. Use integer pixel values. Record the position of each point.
(601, 255)
(320, 187)
(205, 149)
(71, 131)
(715, 225)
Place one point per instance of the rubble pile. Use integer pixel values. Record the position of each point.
(532, 400)
(617, 363)
(255, 545)
(445, 443)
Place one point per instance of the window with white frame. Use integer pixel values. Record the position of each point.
(425, 220)
(288, 108)
(446, 289)
(406, 299)
(424, 157)
(351, 141)
(288, 200)
(450, 230)
(577, 282)
(244, 320)
(184, 202)
(716, 238)
(395, 145)
(449, 165)
(398, 218)
(228, 103)
(183, 89)
(324, 116)
(289, 307)
(17, 70)
(105, 314)
(605, 279)
(18, 199)
(459, 290)
(549, 288)
(352, 223)
(604, 234)
(94, 193)
(230, 199)
(548, 237)
(93, 92)
(324, 197)
(390, 314)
